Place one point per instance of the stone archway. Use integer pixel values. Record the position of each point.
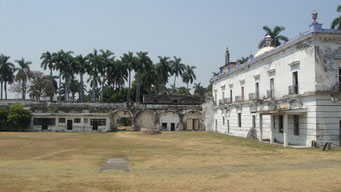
(192, 121)
(119, 117)
(145, 119)
(170, 121)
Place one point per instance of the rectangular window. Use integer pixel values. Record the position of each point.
(230, 95)
(216, 125)
(274, 121)
(61, 120)
(280, 123)
(100, 122)
(223, 120)
(223, 94)
(272, 84)
(257, 90)
(242, 92)
(85, 121)
(228, 126)
(295, 82)
(296, 125)
(239, 120)
(77, 120)
(254, 121)
(44, 121)
(215, 99)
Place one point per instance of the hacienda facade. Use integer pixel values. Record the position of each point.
(288, 94)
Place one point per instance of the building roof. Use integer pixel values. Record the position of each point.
(263, 50)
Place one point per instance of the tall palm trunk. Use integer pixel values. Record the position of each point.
(23, 89)
(67, 84)
(174, 81)
(93, 93)
(81, 91)
(138, 87)
(2, 85)
(60, 85)
(102, 92)
(51, 77)
(6, 90)
(187, 91)
(128, 99)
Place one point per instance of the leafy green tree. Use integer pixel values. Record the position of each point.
(82, 67)
(3, 118)
(18, 117)
(7, 70)
(163, 69)
(37, 87)
(177, 68)
(107, 58)
(142, 65)
(275, 35)
(199, 89)
(336, 24)
(48, 62)
(188, 76)
(94, 64)
(243, 60)
(23, 75)
(129, 61)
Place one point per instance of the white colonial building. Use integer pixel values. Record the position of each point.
(288, 94)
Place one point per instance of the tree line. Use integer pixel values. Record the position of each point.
(107, 76)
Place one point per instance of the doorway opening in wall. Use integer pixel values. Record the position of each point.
(253, 121)
(340, 133)
(280, 123)
(172, 126)
(228, 126)
(239, 120)
(295, 82)
(69, 124)
(164, 126)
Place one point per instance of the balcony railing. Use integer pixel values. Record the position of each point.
(270, 93)
(293, 89)
(238, 99)
(253, 96)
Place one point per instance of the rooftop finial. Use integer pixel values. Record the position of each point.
(268, 40)
(314, 16)
(227, 56)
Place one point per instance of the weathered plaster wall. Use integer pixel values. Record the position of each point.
(169, 118)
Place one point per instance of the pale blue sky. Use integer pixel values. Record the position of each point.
(198, 31)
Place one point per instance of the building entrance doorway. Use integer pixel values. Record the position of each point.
(94, 125)
(69, 124)
(172, 126)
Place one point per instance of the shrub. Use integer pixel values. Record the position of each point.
(3, 118)
(18, 117)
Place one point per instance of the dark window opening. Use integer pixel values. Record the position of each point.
(223, 120)
(280, 123)
(164, 126)
(239, 120)
(231, 96)
(228, 126)
(172, 126)
(44, 121)
(340, 79)
(61, 120)
(296, 125)
(154, 101)
(77, 120)
(175, 101)
(242, 93)
(295, 82)
(257, 90)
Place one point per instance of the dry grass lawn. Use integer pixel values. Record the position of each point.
(172, 161)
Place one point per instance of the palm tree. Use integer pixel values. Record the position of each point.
(142, 65)
(163, 69)
(243, 60)
(188, 75)
(67, 68)
(47, 62)
(129, 61)
(82, 67)
(177, 68)
(94, 63)
(23, 74)
(275, 35)
(106, 58)
(7, 70)
(58, 59)
(199, 89)
(74, 88)
(336, 24)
